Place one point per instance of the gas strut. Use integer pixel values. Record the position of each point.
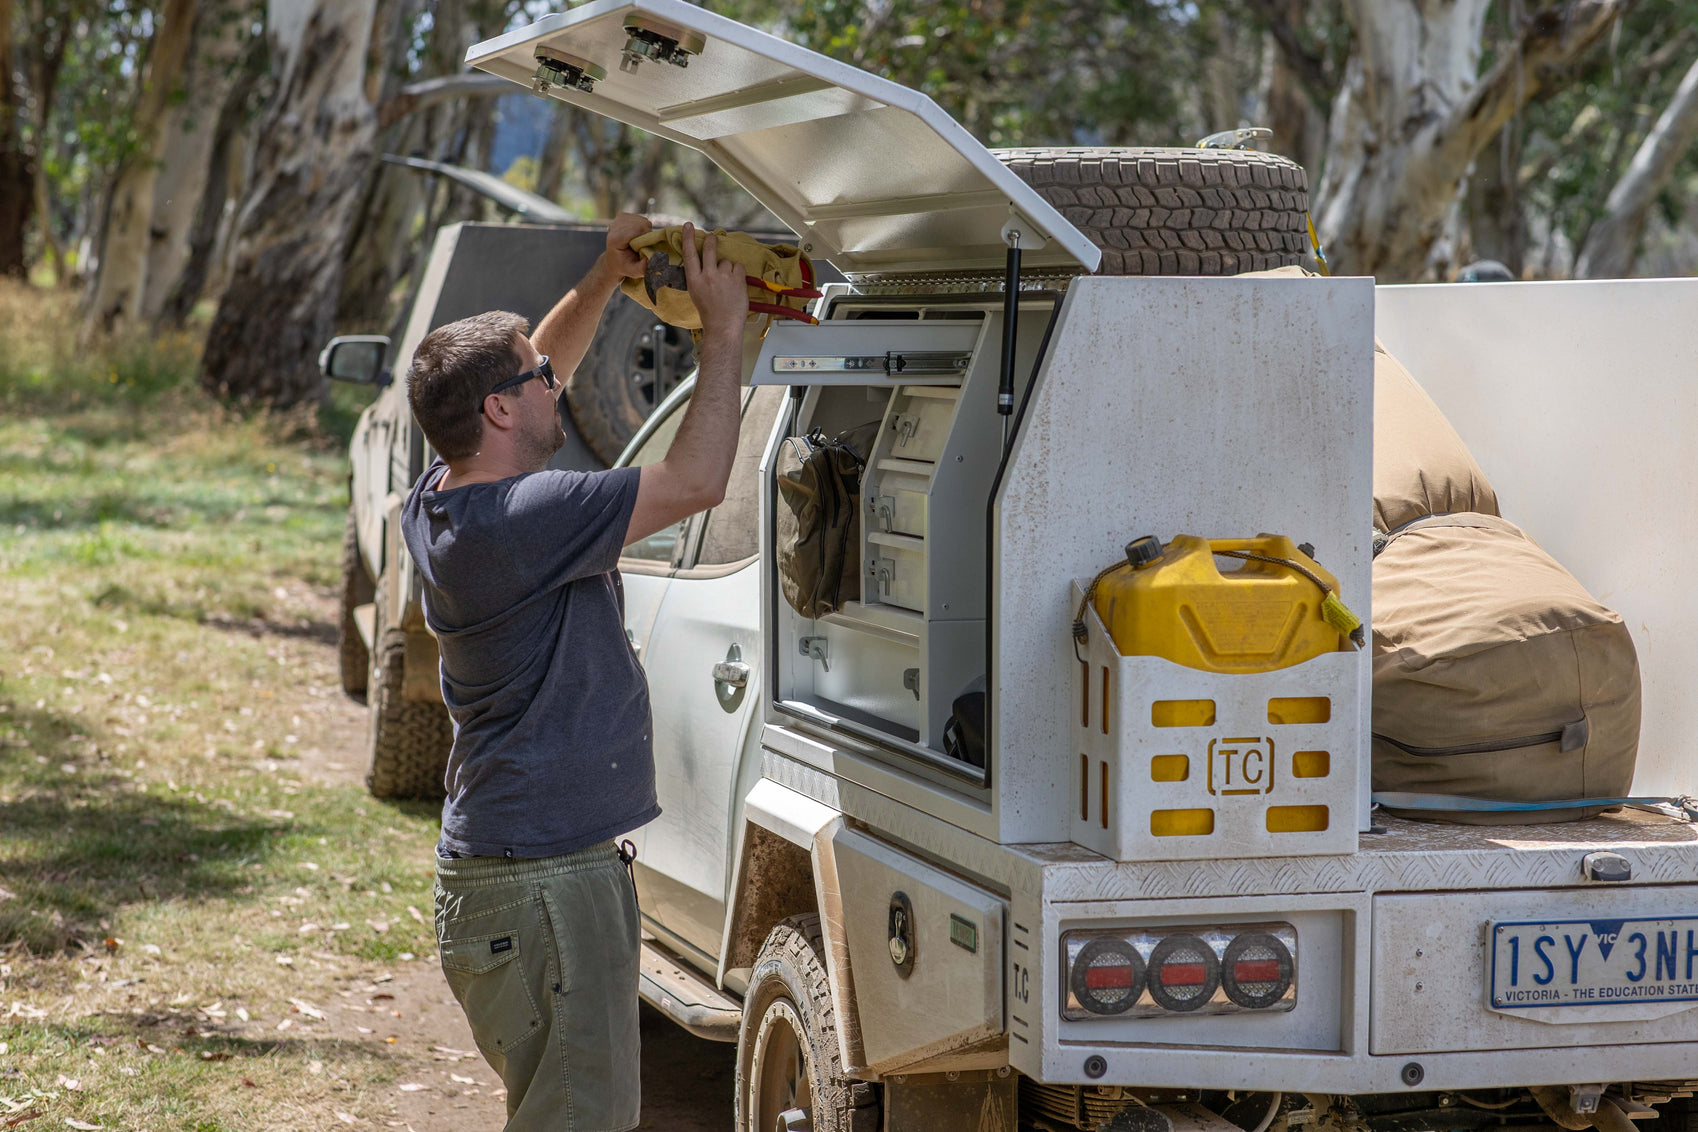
(1010, 321)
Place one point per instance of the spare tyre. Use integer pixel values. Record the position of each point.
(634, 361)
(1175, 211)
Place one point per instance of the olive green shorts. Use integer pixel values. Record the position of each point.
(542, 956)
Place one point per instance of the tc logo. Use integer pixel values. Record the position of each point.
(1241, 766)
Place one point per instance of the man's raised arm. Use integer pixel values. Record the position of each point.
(693, 475)
(565, 332)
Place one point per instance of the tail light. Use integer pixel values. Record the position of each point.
(1163, 972)
(1107, 976)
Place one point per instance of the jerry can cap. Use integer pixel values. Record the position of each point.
(1142, 551)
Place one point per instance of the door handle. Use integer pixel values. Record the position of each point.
(732, 672)
(631, 636)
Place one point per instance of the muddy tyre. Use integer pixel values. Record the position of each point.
(787, 1052)
(408, 739)
(357, 589)
(1175, 211)
(634, 361)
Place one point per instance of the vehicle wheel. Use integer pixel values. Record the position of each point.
(356, 590)
(409, 739)
(1176, 211)
(787, 1052)
(634, 361)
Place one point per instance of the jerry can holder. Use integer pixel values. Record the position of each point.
(1171, 763)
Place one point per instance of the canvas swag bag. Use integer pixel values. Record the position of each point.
(1495, 674)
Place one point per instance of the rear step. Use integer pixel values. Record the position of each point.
(685, 997)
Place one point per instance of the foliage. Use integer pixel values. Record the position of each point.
(96, 50)
(1579, 141)
(1112, 72)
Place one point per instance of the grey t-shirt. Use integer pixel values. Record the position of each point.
(552, 736)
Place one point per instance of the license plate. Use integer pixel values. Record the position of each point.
(1593, 962)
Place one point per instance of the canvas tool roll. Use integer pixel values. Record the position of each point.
(780, 277)
(1495, 674)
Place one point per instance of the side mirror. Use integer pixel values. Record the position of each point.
(356, 358)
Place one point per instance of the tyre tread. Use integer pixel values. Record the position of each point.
(408, 740)
(604, 416)
(798, 943)
(353, 658)
(1175, 211)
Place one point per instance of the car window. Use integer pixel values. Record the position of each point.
(732, 531)
(662, 546)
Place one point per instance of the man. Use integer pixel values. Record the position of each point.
(536, 915)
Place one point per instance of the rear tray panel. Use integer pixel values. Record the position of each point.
(1432, 963)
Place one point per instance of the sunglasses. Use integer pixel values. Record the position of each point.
(544, 371)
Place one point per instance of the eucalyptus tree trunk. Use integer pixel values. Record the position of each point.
(1414, 111)
(122, 279)
(211, 77)
(312, 150)
(209, 233)
(1612, 244)
(17, 182)
(551, 166)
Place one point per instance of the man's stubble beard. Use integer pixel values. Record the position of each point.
(541, 445)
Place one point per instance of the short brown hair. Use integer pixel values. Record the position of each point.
(453, 370)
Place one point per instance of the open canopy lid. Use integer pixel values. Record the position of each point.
(872, 176)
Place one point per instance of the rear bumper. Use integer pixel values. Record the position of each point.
(1393, 981)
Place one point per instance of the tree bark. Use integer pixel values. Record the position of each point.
(1413, 113)
(551, 167)
(118, 292)
(381, 239)
(17, 176)
(429, 93)
(1497, 228)
(49, 39)
(314, 146)
(1295, 88)
(223, 183)
(211, 76)
(1612, 244)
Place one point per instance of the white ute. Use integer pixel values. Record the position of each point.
(899, 939)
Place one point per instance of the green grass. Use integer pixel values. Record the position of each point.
(184, 835)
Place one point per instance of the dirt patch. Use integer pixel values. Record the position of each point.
(687, 1082)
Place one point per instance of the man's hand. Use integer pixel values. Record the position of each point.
(626, 227)
(697, 466)
(717, 287)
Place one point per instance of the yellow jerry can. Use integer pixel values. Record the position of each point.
(1277, 609)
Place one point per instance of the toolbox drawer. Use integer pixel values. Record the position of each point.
(896, 571)
(919, 422)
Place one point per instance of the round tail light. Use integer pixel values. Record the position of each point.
(1183, 973)
(1256, 970)
(1107, 976)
